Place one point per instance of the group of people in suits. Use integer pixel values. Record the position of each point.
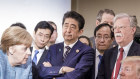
(75, 58)
(124, 31)
(80, 58)
(83, 62)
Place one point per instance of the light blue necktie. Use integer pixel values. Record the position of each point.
(35, 57)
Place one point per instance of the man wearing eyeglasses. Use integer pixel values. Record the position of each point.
(104, 37)
(124, 31)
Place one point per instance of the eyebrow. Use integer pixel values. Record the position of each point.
(43, 34)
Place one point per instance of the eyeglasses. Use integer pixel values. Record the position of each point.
(104, 37)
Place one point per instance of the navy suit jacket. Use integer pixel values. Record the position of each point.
(81, 57)
(109, 59)
(36, 67)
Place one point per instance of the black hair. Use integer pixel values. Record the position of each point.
(74, 15)
(104, 25)
(44, 25)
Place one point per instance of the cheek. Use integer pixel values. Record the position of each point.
(109, 42)
(97, 43)
(63, 32)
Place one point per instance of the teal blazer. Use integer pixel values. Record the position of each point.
(18, 72)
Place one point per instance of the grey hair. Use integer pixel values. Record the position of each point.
(101, 12)
(132, 19)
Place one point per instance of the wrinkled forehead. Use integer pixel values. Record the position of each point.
(122, 22)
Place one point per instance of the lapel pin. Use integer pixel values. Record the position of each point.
(77, 51)
(59, 50)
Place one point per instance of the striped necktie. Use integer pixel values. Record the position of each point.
(35, 57)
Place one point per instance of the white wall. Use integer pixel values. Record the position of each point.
(30, 12)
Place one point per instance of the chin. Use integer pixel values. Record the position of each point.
(24, 62)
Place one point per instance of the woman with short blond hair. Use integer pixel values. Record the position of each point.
(15, 61)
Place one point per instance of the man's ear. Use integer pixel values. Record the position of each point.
(81, 32)
(11, 50)
(133, 30)
(97, 22)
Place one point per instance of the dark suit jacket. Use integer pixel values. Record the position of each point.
(36, 67)
(81, 57)
(109, 59)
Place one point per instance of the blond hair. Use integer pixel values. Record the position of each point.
(15, 36)
(133, 59)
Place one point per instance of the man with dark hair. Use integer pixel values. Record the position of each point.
(70, 59)
(42, 34)
(104, 37)
(104, 16)
(19, 25)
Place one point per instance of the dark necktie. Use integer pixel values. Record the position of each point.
(67, 51)
(100, 57)
(35, 57)
(118, 64)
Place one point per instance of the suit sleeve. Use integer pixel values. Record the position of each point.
(82, 67)
(49, 72)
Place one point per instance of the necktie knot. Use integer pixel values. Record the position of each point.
(121, 50)
(36, 52)
(100, 57)
(67, 51)
(68, 48)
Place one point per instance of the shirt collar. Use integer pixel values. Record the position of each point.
(71, 45)
(40, 50)
(127, 47)
(97, 53)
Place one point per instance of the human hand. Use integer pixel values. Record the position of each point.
(47, 64)
(66, 69)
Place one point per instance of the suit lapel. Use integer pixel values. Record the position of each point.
(132, 49)
(42, 58)
(113, 58)
(59, 52)
(74, 51)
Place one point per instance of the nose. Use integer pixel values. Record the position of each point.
(102, 39)
(42, 38)
(68, 29)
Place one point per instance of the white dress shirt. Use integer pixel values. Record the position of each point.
(126, 49)
(71, 45)
(38, 55)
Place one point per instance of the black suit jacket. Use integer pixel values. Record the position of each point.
(36, 67)
(109, 59)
